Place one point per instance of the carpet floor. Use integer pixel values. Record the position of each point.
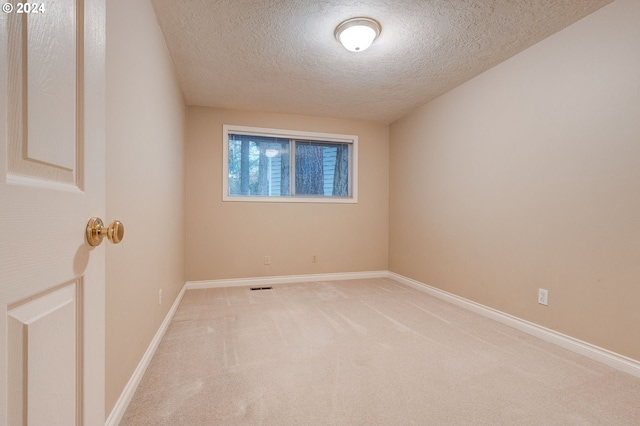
(365, 352)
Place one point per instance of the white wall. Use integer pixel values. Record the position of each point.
(146, 117)
(527, 177)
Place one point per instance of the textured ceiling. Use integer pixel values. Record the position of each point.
(281, 55)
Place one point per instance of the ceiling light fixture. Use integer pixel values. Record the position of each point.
(357, 34)
(271, 152)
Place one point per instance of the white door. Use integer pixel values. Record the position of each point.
(51, 182)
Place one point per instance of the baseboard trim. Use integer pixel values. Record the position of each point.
(596, 353)
(125, 397)
(288, 279)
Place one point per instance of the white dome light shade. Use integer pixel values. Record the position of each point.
(357, 34)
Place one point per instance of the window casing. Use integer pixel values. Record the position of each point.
(288, 166)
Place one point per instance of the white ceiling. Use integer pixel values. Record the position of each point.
(281, 55)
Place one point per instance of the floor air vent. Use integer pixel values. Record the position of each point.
(260, 288)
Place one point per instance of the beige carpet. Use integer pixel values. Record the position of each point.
(365, 352)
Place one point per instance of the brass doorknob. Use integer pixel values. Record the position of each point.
(96, 231)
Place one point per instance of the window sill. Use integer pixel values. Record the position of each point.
(293, 199)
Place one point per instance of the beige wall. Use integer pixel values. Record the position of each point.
(230, 239)
(528, 176)
(146, 118)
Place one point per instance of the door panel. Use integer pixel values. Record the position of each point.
(43, 351)
(44, 62)
(52, 136)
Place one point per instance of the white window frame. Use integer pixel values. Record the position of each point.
(352, 140)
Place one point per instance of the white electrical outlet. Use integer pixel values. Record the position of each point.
(543, 296)
(267, 260)
(160, 297)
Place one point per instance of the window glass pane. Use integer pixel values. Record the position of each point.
(267, 165)
(258, 166)
(322, 169)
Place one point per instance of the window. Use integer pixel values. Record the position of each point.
(286, 166)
